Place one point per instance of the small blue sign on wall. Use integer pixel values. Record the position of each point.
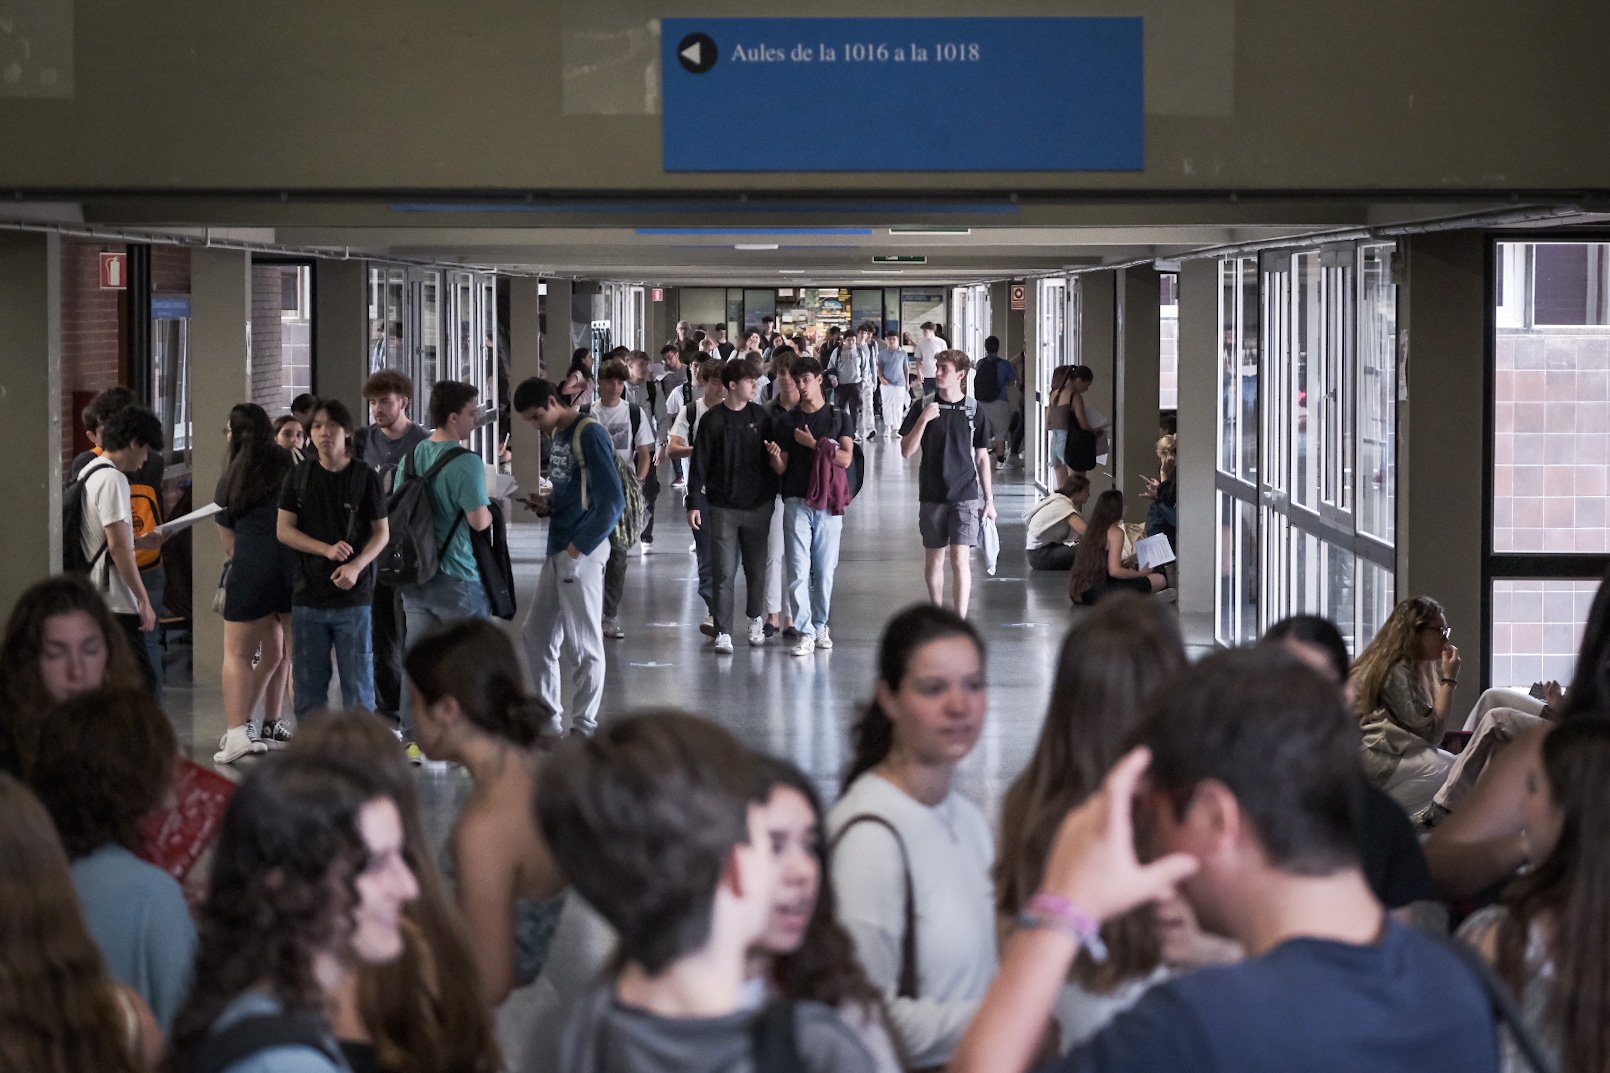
(170, 307)
(889, 94)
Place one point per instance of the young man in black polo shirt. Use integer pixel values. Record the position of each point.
(954, 487)
(332, 512)
(731, 488)
(810, 533)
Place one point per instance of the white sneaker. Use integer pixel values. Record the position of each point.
(612, 629)
(757, 632)
(724, 644)
(646, 548)
(824, 640)
(693, 548)
(236, 743)
(805, 647)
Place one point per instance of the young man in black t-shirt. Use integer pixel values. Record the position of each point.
(810, 533)
(954, 488)
(332, 512)
(731, 488)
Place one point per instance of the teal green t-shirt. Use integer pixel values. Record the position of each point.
(459, 488)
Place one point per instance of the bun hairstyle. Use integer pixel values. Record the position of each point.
(473, 662)
(908, 631)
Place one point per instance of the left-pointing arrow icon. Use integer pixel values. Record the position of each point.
(697, 53)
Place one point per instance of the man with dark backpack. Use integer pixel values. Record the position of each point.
(459, 504)
(583, 508)
(990, 387)
(661, 825)
(332, 512)
(102, 542)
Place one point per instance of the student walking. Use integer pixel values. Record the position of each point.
(928, 347)
(731, 488)
(632, 435)
(679, 445)
(991, 384)
(567, 612)
(805, 439)
(954, 483)
(332, 513)
(854, 362)
(643, 392)
(894, 387)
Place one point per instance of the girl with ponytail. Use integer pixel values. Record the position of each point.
(470, 708)
(910, 856)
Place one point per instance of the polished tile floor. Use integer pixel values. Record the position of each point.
(800, 708)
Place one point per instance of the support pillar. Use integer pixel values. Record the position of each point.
(525, 361)
(341, 336)
(1098, 336)
(556, 333)
(1442, 309)
(1035, 464)
(1200, 344)
(30, 407)
(220, 332)
(1140, 295)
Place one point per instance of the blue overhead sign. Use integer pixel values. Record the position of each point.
(888, 94)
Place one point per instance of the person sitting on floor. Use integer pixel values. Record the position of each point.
(1053, 526)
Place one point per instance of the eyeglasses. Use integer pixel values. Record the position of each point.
(1444, 630)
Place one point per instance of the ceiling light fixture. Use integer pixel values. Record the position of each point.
(756, 246)
(928, 229)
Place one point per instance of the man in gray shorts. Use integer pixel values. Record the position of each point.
(954, 488)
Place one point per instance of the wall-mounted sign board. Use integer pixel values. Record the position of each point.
(969, 94)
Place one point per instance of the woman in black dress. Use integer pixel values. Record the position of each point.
(257, 589)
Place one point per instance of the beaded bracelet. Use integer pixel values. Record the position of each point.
(1047, 910)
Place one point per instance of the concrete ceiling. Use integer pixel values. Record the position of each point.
(766, 240)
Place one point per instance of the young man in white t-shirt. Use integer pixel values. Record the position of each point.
(631, 432)
(928, 348)
(107, 533)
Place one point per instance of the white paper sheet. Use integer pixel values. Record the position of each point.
(169, 528)
(1153, 551)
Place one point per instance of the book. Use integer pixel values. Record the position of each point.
(1153, 551)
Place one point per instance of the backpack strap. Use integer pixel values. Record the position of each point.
(906, 984)
(106, 545)
(430, 479)
(1506, 1011)
(581, 455)
(252, 1035)
(634, 412)
(774, 1039)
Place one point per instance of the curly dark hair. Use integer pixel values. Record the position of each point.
(105, 765)
(283, 887)
(824, 968)
(23, 698)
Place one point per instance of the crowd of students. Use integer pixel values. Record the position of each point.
(1201, 866)
(1249, 863)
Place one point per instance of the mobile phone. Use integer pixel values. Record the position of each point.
(1538, 691)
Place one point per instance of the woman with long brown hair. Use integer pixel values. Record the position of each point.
(60, 641)
(911, 855)
(1550, 937)
(806, 955)
(1405, 683)
(257, 589)
(1098, 565)
(1111, 661)
(60, 1012)
(412, 1015)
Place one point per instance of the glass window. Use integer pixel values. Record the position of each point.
(1377, 588)
(1307, 358)
(1168, 342)
(1536, 629)
(1377, 394)
(386, 289)
(1238, 571)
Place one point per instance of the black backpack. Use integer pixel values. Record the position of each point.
(987, 381)
(492, 562)
(412, 554)
(252, 1035)
(73, 558)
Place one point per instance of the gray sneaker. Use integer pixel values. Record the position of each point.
(824, 640)
(612, 629)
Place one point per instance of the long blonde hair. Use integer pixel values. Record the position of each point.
(1397, 644)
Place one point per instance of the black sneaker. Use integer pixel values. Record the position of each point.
(276, 734)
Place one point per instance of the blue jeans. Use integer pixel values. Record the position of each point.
(155, 579)
(437, 602)
(811, 545)
(314, 632)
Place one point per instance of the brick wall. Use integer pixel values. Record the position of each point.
(92, 336)
(170, 269)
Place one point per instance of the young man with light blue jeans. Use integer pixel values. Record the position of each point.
(331, 511)
(810, 533)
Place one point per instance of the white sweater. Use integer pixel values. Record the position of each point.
(950, 849)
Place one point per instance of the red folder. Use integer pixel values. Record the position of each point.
(176, 836)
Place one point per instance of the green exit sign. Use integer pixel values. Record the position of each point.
(899, 259)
